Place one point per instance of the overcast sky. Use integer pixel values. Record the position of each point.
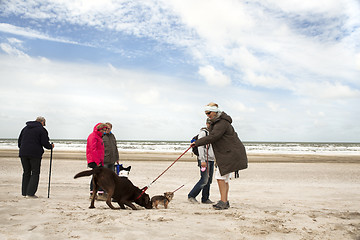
(283, 70)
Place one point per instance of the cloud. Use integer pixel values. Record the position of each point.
(239, 106)
(270, 44)
(358, 61)
(327, 90)
(30, 33)
(274, 44)
(275, 107)
(214, 77)
(10, 50)
(148, 60)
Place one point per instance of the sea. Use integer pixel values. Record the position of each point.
(322, 148)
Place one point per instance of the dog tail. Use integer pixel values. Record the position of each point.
(85, 173)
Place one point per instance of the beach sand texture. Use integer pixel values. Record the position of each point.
(272, 199)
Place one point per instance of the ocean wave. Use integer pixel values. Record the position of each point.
(181, 146)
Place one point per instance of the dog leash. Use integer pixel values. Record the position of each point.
(148, 186)
(178, 188)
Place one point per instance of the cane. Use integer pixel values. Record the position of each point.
(51, 153)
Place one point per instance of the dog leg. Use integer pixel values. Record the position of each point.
(154, 204)
(129, 204)
(166, 204)
(108, 200)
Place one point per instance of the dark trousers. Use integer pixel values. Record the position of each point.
(31, 174)
(110, 166)
(93, 165)
(204, 183)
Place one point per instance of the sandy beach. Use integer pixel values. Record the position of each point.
(277, 197)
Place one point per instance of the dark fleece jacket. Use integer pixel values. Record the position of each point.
(229, 151)
(32, 139)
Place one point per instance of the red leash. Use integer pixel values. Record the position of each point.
(146, 188)
(178, 188)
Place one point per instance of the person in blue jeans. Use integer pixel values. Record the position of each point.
(206, 164)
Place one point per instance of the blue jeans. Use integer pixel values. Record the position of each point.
(204, 183)
(31, 174)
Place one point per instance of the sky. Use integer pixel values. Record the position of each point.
(283, 70)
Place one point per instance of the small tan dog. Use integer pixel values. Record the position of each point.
(164, 199)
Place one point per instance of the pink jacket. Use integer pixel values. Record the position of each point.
(95, 147)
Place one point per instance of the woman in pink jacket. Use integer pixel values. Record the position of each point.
(95, 150)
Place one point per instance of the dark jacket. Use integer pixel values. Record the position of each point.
(229, 151)
(32, 139)
(111, 150)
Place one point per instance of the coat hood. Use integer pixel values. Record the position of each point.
(95, 130)
(225, 117)
(33, 124)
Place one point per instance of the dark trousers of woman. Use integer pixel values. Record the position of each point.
(204, 183)
(31, 174)
(93, 165)
(110, 166)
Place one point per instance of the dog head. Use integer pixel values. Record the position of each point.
(144, 201)
(169, 195)
(124, 172)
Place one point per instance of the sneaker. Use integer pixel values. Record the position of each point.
(193, 200)
(227, 204)
(221, 205)
(33, 196)
(208, 202)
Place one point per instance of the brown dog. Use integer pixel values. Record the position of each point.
(164, 199)
(120, 189)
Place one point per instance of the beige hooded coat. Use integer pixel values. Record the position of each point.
(229, 151)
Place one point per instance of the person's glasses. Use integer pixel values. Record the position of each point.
(207, 113)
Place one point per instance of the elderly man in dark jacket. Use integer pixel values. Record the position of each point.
(230, 154)
(32, 139)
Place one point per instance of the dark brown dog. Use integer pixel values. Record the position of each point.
(120, 189)
(164, 199)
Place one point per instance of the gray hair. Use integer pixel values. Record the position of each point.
(41, 119)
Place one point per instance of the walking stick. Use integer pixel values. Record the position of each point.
(51, 153)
